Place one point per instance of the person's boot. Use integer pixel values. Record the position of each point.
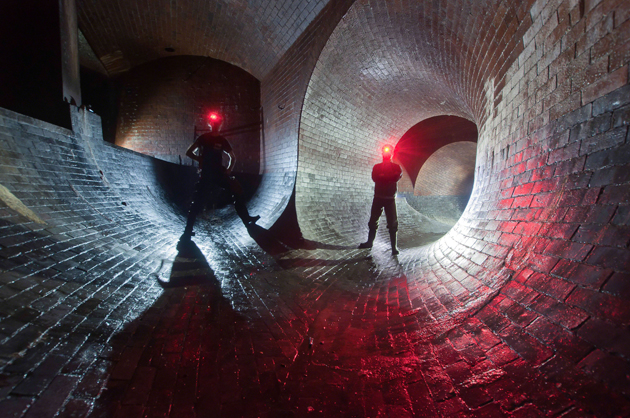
(243, 213)
(370, 240)
(392, 238)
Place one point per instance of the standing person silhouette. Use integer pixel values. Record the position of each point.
(385, 176)
(208, 149)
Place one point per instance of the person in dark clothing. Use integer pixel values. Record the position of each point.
(385, 176)
(208, 149)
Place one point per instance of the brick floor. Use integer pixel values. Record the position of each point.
(222, 328)
(103, 316)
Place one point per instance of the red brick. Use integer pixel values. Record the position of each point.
(620, 54)
(606, 335)
(501, 354)
(569, 250)
(610, 257)
(568, 316)
(614, 194)
(571, 103)
(602, 305)
(605, 85)
(566, 343)
(577, 214)
(516, 313)
(523, 189)
(559, 230)
(526, 346)
(557, 288)
(574, 165)
(545, 173)
(619, 285)
(588, 234)
(543, 263)
(610, 369)
(492, 319)
(582, 274)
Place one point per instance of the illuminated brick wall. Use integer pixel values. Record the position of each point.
(449, 171)
(130, 33)
(162, 102)
(546, 228)
(282, 93)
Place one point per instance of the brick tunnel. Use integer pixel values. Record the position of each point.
(507, 297)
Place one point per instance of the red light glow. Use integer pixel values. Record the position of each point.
(213, 117)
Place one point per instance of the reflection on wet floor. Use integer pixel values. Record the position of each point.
(289, 329)
(303, 330)
(244, 322)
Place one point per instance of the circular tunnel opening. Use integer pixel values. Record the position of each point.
(363, 94)
(438, 157)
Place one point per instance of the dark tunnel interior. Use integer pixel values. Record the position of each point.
(507, 299)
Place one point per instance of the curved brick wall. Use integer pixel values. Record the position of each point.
(449, 171)
(535, 273)
(365, 91)
(162, 102)
(543, 243)
(282, 93)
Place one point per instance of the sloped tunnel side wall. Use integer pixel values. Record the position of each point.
(543, 242)
(70, 196)
(282, 93)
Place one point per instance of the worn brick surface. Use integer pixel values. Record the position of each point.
(519, 310)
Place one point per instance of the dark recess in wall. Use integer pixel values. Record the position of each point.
(100, 95)
(163, 106)
(30, 74)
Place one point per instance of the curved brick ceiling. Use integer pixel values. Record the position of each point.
(384, 69)
(252, 35)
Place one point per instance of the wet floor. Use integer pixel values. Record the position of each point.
(239, 323)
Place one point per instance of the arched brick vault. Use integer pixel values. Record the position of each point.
(519, 310)
(252, 35)
(384, 69)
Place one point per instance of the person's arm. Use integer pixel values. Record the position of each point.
(231, 161)
(399, 171)
(190, 152)
(376, 174)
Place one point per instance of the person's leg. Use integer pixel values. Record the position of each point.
(234, 187)
(243, 213)
(375, 214)
(392, 223)
(198, 203)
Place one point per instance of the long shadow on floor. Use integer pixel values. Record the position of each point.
(275, 245)
(190, 354)
(189, 267)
